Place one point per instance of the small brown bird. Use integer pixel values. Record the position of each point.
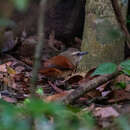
(62, 65)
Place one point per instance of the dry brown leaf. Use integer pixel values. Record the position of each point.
(19, 69)
(105, 112)
(56, 96)
(87, 77)
(101, 88)
(119, 95)
(92, 94)
(9, 99)
(10, 70)
(3, 66)
(74, 79)
(19, 77)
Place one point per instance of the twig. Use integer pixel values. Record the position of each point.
(39, 47)
(55, 88)
(121, 20)
(92, 84)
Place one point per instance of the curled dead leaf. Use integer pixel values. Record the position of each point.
(105, 112)
(56, 97)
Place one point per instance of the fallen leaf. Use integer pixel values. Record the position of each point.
(87, 77)
(92, 94)
(10, 70)
(19, 77)
(105, 112)
(106, 93)
(19, 69)
(74, 79)
(56, 96)
(119, 95)
(102, 88)
(3, 66)
(9, 99)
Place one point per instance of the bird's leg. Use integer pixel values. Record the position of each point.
(55, 88)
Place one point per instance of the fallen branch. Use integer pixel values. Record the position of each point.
(90, 85)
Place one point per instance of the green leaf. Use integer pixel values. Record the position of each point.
(128, 21)
(27, 101)
(40, 91)
(105, 68)
(21, 4)
(89, 118)
(125, 64)
(123, 123)
(121, 85)
(36, 107)
(126, 71)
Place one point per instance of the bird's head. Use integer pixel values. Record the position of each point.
(74, 55)
(77, 55)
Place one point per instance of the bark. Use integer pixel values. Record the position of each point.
(102, 37)
(64, 17)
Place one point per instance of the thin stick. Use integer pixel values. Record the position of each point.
(39, 47)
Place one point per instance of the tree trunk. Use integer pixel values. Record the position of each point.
(102, 38)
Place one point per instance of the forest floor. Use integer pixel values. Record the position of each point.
(106, 102)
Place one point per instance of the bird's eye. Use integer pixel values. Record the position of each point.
(78, 54)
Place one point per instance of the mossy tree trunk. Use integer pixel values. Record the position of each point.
(102, 38)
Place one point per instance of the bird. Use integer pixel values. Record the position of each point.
(62, 65)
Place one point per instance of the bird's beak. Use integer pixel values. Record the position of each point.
(82, 53)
